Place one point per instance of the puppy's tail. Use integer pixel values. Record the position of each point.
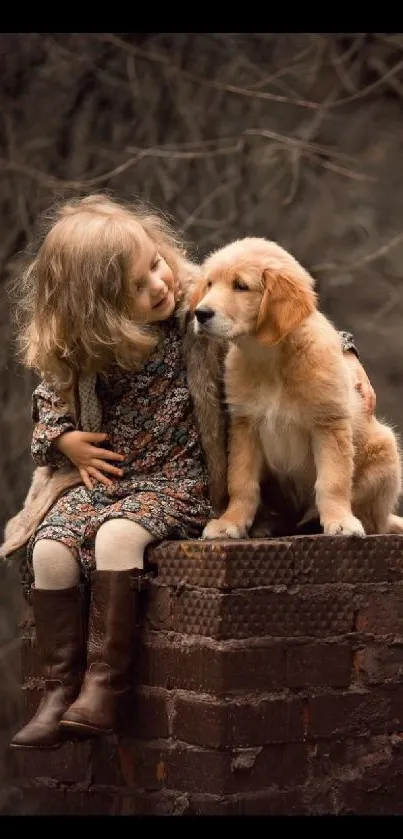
(395, 524)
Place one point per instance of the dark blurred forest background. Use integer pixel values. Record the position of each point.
(295, 137)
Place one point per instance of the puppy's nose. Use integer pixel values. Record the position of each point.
(204, 314)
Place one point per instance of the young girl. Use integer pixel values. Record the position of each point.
(100, 298)
(103, 327)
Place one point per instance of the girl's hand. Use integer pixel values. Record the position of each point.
(362, 383)
(89, 459)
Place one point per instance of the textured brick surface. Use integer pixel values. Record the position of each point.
(53, 801)
(70, 763)
(258, 562)
(334, 757)
(356, 711)
(238, 723)
(215, 666)
(314, 610)
(177, 766)
(317, 611)
(377, 663)
(224, 565)
(208, 665)
(381, 610)
(269, 681)
(377, 789)
(318, 664)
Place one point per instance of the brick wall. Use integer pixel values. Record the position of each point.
(270, 682)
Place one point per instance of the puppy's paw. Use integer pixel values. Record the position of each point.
(223, 529)
(347, 526)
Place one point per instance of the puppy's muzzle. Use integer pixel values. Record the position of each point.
(204, 314)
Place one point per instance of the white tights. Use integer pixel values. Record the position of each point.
(119, 546)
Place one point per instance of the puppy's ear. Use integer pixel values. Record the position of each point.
(197, 294)
(287, 300)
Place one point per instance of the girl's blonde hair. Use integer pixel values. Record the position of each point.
(75, 301)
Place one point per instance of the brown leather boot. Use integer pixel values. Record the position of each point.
(60, 636)
(113, 627)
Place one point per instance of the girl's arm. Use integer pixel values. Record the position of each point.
(56, 440)
(51, 418)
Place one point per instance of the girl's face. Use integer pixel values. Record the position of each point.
(154, 285)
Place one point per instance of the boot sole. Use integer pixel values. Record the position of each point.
(82, 727)
(35, 748)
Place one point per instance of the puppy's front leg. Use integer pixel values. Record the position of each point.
(334, 460)
(245, 461)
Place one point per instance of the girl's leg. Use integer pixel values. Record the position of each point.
(54, 565)
(58, 608)
(113, 627)
(120, 545)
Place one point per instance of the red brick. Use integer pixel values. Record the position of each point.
(237, 564)
(69, 763)
(172, 661)
(31, 664)
(381, 610)
(266, 803)
(198, 612)
(253, 665)
(335, 758)
(308, 610)
(377, 790)
(10, 691)
(157, 608)
(378, 663)
(210, 666)
(318, 665)
(148, 714)
(175, 766)
(108, 766)
(238, 723)
(51, 801)
(319, 797)
(320, 559)
(355, 799)
(356, 711)
(144, 803)
(224, 565)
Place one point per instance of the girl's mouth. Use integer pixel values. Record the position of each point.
(161, 302)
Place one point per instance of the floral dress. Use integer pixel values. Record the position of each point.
(149, 418)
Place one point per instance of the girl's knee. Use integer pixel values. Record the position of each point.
(52, 549)
(123, 531)
(120, 545)
(54, 565)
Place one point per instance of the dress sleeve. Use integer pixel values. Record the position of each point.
(51, 418)
(347, 343)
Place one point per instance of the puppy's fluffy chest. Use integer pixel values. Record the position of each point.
(261, 395)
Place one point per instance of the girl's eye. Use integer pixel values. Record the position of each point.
(239, 285)
(155, 263)
(141, 286)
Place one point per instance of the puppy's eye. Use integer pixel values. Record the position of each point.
(239, 285)
(208, 284)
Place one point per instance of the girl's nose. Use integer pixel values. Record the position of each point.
(157, 286)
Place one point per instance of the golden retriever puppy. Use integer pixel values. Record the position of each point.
(293, 406)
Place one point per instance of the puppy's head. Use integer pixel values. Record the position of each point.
(252, 287)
